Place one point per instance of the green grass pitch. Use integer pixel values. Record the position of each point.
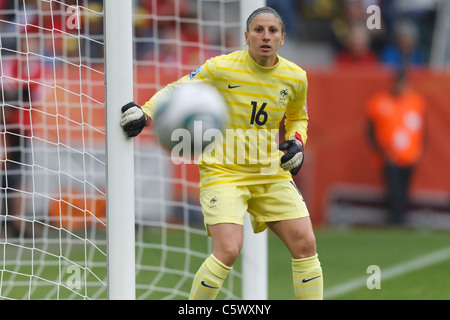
(406, 272)
(413, 264)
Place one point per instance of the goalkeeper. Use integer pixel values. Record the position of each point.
(261, 89)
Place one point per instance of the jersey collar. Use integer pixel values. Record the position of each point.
(258, 69)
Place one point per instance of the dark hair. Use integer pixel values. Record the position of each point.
(266, 9)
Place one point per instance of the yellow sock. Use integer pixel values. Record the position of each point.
(209, 279)
(308, 278)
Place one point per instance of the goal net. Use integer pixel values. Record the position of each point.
(52, 222)
(52, 148)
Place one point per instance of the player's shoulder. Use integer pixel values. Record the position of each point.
(229, 58)
(291, 66)
(219, 63)
(292, 70)
(223, 64)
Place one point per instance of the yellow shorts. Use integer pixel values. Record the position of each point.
(265, 203)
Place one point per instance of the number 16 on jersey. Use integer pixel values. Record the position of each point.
(259, 116)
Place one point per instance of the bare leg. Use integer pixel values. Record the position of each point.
(297, 235)
(227, 241)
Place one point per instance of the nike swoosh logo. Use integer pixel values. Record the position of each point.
(205, 285)
(307, 280)
(233, 87)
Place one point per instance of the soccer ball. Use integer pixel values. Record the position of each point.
(186, 113)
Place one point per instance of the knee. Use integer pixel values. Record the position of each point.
(304, 246)
(228, 252)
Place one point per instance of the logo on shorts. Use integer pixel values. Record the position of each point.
(213, 202)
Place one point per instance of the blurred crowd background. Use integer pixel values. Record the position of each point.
(405, 30)
(320, 32)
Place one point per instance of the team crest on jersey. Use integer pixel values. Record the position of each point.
(195, 72)
(283, 95)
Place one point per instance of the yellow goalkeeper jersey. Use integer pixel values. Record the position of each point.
(258, 98)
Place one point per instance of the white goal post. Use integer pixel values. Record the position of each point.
(118, 25)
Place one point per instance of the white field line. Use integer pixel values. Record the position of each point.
(391, 272)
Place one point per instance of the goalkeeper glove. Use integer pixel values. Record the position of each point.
(292, 160)
(133, 119)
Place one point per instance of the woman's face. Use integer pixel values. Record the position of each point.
(264, 37)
